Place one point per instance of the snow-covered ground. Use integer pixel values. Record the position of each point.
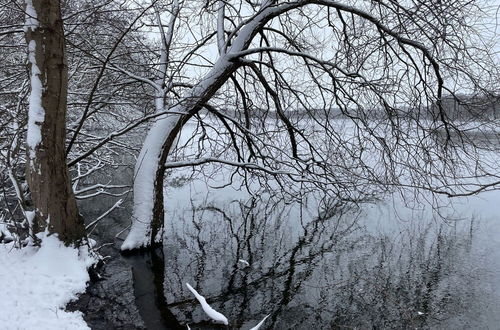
(37, 283)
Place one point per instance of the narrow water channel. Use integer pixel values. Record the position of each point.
(148, 271)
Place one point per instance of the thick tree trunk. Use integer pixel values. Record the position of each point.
(47, 173)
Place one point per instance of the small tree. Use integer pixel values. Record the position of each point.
(47, 172)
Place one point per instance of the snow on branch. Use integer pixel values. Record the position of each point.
(36, 112)
(105, 214)
(200, 161)
(212, 313)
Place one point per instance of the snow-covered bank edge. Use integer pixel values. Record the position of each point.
(37, 283)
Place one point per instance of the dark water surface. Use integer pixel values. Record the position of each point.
(330, 269)
(314, 264)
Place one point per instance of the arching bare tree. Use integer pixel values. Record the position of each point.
(270, 77)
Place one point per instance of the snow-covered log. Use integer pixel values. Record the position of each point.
(212, 313)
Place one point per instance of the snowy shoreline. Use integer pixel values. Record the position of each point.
(38, 283)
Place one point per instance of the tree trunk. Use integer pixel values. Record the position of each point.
(147, 217)
(47, 172)
(148, 212)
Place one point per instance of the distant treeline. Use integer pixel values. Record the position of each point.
(479, 108)
(457, 108)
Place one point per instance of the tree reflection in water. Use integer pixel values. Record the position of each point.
(313, 264)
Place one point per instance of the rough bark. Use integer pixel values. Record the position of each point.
(47, 172)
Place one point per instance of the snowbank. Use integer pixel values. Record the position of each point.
(37, 283)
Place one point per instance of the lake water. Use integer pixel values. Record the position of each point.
(396, 263)
(377, 266)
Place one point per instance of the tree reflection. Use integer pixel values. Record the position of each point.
(312, 263)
